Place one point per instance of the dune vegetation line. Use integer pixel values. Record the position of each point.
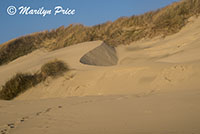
(162, 22)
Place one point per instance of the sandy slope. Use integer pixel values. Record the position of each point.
(153, 89)
(143, 67)
(32, 62)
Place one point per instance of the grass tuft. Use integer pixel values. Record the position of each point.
(53, 68)
(21, 82)
(17, 84)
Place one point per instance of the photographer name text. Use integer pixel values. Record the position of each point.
(27, 10)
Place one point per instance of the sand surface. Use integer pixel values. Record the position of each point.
(153, 89)
(162, 112)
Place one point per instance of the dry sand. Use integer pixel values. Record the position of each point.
(166, 112)
(153, 89)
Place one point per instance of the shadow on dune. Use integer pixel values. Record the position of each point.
(103, 55)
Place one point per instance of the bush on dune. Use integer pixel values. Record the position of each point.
(21, 82)
(53, 68)
(17, 84)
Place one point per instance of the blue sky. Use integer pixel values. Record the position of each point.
(87, 12)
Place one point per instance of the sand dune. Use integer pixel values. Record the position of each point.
(148, 87)
(145, 66)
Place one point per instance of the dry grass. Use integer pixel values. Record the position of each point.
(165, 21)
(16, 85)
(21, 46)
(21, 82)
(53, 68)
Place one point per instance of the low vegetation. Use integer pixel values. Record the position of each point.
(21, 82)
(162, 22)
(18, 84)
(53, 68)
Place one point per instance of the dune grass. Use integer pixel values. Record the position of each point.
(21, 82)
(53, 69)
(162, 22)
(16, 85)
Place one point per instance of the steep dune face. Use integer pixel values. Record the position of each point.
(103, 55)
(145, 67)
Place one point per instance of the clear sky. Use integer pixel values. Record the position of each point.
(87, 12)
